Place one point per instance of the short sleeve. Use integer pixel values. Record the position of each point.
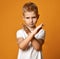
(18, 34)
(40, 34)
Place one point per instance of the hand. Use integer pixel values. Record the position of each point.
(37, 29)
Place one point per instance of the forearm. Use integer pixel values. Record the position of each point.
(24, 44)
(37, 44)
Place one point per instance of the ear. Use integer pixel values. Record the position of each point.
(38, 16)
(23, 17)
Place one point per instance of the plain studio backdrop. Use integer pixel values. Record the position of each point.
(11, 20)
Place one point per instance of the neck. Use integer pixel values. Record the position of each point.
(31, 28)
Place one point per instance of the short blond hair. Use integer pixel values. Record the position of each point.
(30, 6)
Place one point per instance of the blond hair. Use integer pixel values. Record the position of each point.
(30, 6)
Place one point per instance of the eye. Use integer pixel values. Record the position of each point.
(34, 17)
(27, 17)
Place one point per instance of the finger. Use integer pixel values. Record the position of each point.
(42, 24)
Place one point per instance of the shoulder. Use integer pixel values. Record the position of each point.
(19, 33)
(40, 34)
(42, 31)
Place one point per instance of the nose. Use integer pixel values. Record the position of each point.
(31, 20)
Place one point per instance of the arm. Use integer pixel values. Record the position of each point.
(37, 44)
(23, 43)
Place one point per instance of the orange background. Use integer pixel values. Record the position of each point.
(11, 19)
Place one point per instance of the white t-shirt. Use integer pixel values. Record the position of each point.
(30, 53)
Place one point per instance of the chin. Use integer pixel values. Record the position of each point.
(31, 26)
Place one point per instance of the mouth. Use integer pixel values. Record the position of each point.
(31, 23)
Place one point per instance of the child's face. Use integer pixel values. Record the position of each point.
(30, 18)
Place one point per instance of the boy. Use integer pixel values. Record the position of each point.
(30, 38)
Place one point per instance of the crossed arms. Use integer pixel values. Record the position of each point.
(37, 44)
